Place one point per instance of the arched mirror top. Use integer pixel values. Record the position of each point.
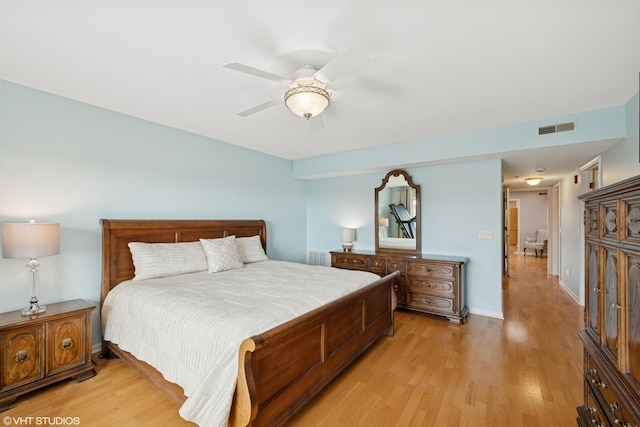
(397, 214)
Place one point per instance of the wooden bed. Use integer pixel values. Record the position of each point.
(280, 369)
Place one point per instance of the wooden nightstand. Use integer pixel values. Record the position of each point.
(40, 350)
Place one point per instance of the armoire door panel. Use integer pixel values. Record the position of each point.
(611, 302)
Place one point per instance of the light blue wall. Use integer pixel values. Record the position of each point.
(68, 162)
(458, 200)
(622, 160)
(598, 125)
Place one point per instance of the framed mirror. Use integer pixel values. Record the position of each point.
(397, 214)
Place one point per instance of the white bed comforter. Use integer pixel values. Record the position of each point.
(190, 326)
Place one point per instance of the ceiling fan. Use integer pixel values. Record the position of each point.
(308, 94)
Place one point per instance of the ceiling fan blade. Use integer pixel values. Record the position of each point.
(316, 123)
(260, 107)
(355, 100)
(256, 72)
(341, 65)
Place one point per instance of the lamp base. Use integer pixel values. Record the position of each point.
(347, 247)
(34, 309)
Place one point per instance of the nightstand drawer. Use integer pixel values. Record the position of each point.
(22, 357)
(66, 346)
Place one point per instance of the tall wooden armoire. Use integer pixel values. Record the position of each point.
(611, 337)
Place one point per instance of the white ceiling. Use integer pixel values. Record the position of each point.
(442, 67)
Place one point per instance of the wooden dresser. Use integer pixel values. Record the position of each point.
(39, 350)
(427, 283)
(611, 338)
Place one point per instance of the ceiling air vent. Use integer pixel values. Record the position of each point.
(558, 127)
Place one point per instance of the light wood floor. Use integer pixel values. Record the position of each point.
(524, 370)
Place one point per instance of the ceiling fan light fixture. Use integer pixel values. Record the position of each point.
(307, 100)
(533, 181)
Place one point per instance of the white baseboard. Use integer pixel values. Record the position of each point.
(570, 292)
(487, 313)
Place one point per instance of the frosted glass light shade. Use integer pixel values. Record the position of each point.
(533, 181)
(307, 101)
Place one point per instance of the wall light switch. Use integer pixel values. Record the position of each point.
(485, 235)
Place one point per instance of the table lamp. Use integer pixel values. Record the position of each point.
(348, 236)
(31, 240)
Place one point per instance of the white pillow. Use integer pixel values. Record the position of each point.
(251, 249)
(166, 259)
(222, 254)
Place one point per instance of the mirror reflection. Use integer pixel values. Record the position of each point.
(397, 214)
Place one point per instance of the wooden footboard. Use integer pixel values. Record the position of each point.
(281, 369)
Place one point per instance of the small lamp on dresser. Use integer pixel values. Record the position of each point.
(31, 240)
(348, 236)
(383, 223)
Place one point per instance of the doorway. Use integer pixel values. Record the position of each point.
(513, 231)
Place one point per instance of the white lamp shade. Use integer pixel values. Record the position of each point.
(30, 240)
(348, 234)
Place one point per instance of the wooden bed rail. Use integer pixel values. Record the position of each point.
(285, 367)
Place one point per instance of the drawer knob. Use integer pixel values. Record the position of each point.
(21, 356)
(66, 344)
(615, 408)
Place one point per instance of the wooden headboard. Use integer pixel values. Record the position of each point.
(117, 264)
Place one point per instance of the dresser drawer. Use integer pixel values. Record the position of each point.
(422, 301)
(378, 266)
(602, 391)
(350, 262)
(431, 286)
(595, 414)
(431, 269)
(396, 264)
